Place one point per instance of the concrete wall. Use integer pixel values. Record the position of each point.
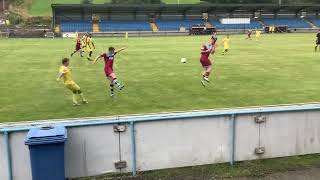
(92, 150)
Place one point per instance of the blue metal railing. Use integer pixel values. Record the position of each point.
(175, 116)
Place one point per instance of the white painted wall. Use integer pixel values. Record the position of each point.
(168, 144)
(3, 161)
(93, 150)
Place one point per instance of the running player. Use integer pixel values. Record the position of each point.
(226, 44)
(78, 47)
(206, 50)
(258, 35)
(89, 46)
(249, 32)
(65, 73)
(317, 41)
(108, 69)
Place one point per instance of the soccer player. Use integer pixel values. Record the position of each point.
(206, 50)
(90, 46)
(258, 35)
(108, 69)
(226, 44)
(317, 41)
(78, 47)
(65, 73)
(249, 32)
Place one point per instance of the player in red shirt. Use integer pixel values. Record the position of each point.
(78, 47)
(108, 69)
(249, 34)
(206, 50)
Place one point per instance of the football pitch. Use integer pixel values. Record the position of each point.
(278, 69)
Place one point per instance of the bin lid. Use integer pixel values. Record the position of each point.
(46, 135)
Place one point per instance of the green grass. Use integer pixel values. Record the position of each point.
(43, 7)
(256, 168)
(278, 69)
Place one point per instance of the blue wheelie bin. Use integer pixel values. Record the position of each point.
(46, 147)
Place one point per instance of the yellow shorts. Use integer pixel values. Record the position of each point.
(88, 49)
(73, 87)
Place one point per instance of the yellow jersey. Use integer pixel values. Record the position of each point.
(66, 75)
(89, 43)
(226, 43)
(258, 33)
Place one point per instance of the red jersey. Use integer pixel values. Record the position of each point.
(78, 45)
(108, 61)
(205, 55)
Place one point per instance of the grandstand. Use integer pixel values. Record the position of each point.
(110, 18)
(290, 22)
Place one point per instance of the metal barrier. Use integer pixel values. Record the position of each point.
(132, 120)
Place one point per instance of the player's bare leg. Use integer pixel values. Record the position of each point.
(206, 73)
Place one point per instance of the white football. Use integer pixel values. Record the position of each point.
(183, 60)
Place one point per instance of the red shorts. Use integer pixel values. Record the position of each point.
(108, 71)
(205, 62)
(78, 47)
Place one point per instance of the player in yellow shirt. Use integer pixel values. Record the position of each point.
(226, 44)
(89, 46)
(258, 35)
(65, 74)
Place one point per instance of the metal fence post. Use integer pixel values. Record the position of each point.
(133, 149)
(232, 138)
(8, 151)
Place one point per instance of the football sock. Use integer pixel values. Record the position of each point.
(111, 88)
(207, 74)
(315, 48)
(74, 99)
(82, 97)
(117, 83)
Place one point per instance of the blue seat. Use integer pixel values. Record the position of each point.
(315, 21)
(113, 25)
(174, 25)
(76, 25)
(290, 22)
(254, 24)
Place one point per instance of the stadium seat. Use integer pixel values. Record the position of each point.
(73, 26)
(174, 25)
(112, 25)
(253, 25)
(315, 21)
(290, 22)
